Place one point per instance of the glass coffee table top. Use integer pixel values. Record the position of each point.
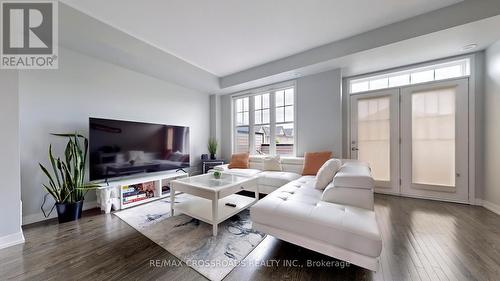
(208, 180)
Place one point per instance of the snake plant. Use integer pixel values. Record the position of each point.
(212, 146)
(66, 183)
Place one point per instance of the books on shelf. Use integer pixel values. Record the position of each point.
(137, 192)
(135, 198)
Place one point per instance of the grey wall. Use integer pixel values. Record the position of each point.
(226, 126)
(319, 113)
(479, 85)
(491, 125)
(215, 121)
(319, 118)
(62, 101)
(10, 191)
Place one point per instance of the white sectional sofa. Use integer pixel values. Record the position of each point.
(338, 221)
(269, 181)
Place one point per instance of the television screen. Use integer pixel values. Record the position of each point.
(122, 148)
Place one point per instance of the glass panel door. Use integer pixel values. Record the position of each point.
(434, 132)
(433, 137)
(374, 136)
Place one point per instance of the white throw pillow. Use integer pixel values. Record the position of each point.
(326, 173)
(272, 163)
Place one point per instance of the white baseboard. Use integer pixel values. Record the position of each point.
(490, 206)
(11, 239)
(28, 219)
(378, 191)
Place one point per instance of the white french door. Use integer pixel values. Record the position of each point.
(375, 136)
(415, 139)
(434, 146)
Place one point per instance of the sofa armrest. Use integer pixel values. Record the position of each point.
(221, 168)
(354, 176)
(357, 197)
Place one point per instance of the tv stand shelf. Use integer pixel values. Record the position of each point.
(133, 191)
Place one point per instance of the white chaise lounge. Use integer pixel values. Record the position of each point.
(338, 221)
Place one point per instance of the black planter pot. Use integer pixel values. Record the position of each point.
(69, 211)
(212, 156)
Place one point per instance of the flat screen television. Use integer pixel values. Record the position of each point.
(123, 148)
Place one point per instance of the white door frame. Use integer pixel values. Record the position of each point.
(392, 186)
(476, 66)
(470, 107)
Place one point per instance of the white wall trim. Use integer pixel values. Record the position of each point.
(267, 88)
(11, 239)
(489, 205)
(28, 219)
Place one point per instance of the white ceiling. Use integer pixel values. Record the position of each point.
(227, 36)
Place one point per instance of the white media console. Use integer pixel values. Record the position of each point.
(110, 195)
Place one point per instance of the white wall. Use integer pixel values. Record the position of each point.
(319, 115)
(491, 192)
(10, 191)
(62, 101)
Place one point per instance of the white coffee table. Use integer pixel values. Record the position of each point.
(210, 196)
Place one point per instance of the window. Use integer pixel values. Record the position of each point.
(447, 70)
(271, 130)
(242, 125)
(284, 132)
(262, 127)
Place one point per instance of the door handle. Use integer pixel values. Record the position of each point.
(354, 149)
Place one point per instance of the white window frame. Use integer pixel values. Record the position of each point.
(271, 89)
(463, 62)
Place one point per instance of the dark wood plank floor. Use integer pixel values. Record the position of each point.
(423, 240)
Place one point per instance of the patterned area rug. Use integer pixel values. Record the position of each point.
(191, 240)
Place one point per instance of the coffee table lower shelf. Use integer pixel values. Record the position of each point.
(201, 208)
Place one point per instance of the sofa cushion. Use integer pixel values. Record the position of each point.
(242, 172)
(277, 179)
(354, 176)
(326, 173)
(239, 161)
(296, 207)
(314, 160)
(271, 163)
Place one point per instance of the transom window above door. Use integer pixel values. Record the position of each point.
(264, 122)
(411, 76)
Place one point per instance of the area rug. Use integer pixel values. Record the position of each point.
(191, 240)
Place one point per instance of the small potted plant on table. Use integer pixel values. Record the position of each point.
(66, 183)
(217, 174)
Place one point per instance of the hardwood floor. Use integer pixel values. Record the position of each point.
(423, 240)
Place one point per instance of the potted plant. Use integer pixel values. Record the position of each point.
(66, 183)
(212, 147)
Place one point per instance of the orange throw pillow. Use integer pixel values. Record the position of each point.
(239, 161)
(313, 161)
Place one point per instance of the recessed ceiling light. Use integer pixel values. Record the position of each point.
(469, 47)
